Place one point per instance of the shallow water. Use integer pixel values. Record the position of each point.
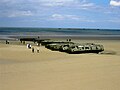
(57, 31)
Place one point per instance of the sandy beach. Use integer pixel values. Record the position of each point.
(20, 69)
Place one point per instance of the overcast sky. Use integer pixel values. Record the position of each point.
(60, 13)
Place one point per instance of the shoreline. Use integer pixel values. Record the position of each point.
(82, 37)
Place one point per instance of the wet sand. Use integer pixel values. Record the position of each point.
(20, 69)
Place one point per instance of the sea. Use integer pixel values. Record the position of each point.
(8, 32)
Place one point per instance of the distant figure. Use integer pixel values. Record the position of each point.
(69, 40)
(38, 44)
(7, 42)
(28, 46)
(32, 50)
(23, 42)
(37, 50)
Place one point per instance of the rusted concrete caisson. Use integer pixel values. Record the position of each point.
(57, 46)
(85, 48)
(74, 48)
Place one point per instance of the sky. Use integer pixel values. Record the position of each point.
(60, 13)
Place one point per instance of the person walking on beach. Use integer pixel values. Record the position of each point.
(32, 50)
(37, 50)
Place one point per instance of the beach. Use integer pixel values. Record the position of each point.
(20, 69)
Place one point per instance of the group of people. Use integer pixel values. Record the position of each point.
(7, 42)
(33, 50)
